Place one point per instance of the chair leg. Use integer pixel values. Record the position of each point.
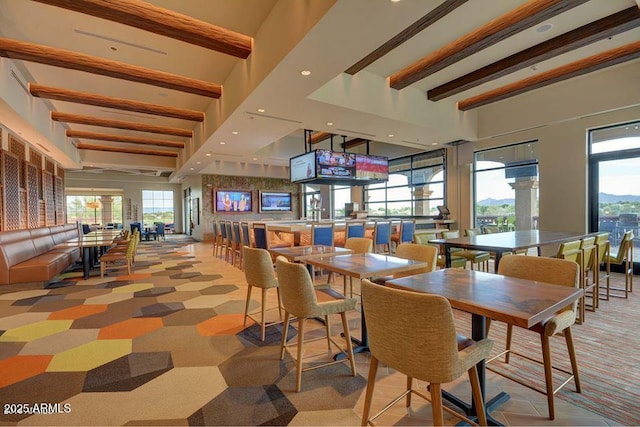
(347, 338)
(477, 396)
(285, 330)
(263, 325)
(568, 336)
(508, 346)
(301, 322)
(327, 327)
(279, 303)
(246, 305)
(409, 388)
(102, 269)
(548, 374)
(436, 404)
(371, 382)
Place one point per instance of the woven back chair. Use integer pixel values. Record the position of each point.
(258, 271)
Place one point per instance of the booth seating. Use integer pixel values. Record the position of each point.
(32, 256)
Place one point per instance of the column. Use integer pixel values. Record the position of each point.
(421, 206)
(526, 197)
(107, 211)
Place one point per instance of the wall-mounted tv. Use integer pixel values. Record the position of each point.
(372, 167)
(303, 167)
(232, 201)
(273, 201)
(335, 164)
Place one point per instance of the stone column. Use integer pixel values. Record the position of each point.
(526, 197)
(107, 211)
(421, 206)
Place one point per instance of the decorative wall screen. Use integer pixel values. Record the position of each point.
(18, 148)
(11, 192)
(59, 198)
(49, 165)
(33, 200)
(49, 199)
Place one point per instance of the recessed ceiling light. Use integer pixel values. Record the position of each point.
(163, 94)
(197, 163)
(113, 48)
(544, 28)
(329, 123)
(391, 135)
(305, 72)
(395, 1)
(255, 158)
(260, 110)
(190, 169)
(208, 154)
(434, 143)
(235, 132)
(222, 142)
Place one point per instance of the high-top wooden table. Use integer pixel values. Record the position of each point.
(511, 300)
(510, 241)
(365, 266)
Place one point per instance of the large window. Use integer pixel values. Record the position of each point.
(341, 195)
(90, 209)
(157, 206)
(416, 186)
(506, 187)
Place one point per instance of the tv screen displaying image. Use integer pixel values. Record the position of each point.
(232, 201)
(372, 167)
(303, 167)
(275, 202)
(335, 164)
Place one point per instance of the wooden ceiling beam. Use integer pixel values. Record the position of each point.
(354, 143)
(601, 29)
(95, 147)
(118, 124)
(32, 52)
(319, 137)
(513, 22)
(86, 98)
(421, 24)
(121, 138)
(165, 22)
(596, 62)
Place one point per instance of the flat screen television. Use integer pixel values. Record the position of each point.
(232, 201)
(273, 201)
(335, 164)
(303, 167)
(372, 167)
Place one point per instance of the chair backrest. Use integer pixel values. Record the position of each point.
(570, 251)
(406, 231)
(411, 332)
(228, 226)
(223, 230)
(417, 252)
(588, 246)
(382, 233)
(625, 248)
(322, 234)
(628, 219)
(490, 229)
(260, 235)
(159, 228)
(423, 238)
(86, 229)
(216, 231)
(602, 243)
(246, 237)
(471, 232)
(258, 268)
(354, 229)
(451, 234)
(542, 269)
(235, 232)
(296, 289)
(359, 245)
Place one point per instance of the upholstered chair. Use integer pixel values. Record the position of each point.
(299, 300)
(456, 261)
(571, 251)
(258, 272)
(590, 276)
(414, 334)
(624, 257)
(119, 259)
(415, 252)
(359, 245)
(474, 257)
(603, 247)
(404, 232)
(382, 237)
(559, 272)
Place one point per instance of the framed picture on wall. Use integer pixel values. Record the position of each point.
(273, 201)
(232, 201)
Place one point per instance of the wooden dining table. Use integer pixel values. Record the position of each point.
(301, 253)
(506, 242)
(515, 301)
(90, 243)
(365, 266)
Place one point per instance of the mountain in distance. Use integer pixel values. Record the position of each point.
(614, 198)
(496, 202)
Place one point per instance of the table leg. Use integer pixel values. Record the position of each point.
(496, 263)
(478, 332)
(362, 344)
(447, 256)
(86, 261)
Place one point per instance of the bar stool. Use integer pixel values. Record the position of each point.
(603, 247)
(382, 237)
(405, 232)
(354, 229)
(259, 273)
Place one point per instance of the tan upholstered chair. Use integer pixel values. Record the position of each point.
(359, 245)
(571, 251)
(119, 259)
(624, 257)
(456, 261)
(299, 300)
(474, 257)
(590, 277)
(415, 252)
(415, 334)
(603, 247)
(558, 272)
(259, 273)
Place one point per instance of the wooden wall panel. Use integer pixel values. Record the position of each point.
(49, 165)
(49, 198)
(19, 149)
(11, 192)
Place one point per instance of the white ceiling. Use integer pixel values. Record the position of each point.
(359, 106)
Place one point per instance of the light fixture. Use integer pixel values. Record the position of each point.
(197, 163)
(434, 143)
(222, 142)
(190, 169)
(544, 28)
(235, 132)
(255, 158)
(391, 135)
(329, 123)
(260, 110)
(208, 154)
(94, 205)
(305, 72)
